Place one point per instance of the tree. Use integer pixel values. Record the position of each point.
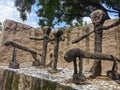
(52, 12)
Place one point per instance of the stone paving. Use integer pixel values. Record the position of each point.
(64, 77)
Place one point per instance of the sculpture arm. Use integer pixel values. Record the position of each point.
(112, 25)
(103, 28)
(83, 37)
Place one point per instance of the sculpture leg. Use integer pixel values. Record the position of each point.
(75, 74)
(113, 74)
(75, 66)
(36, 61)
(80, 65)
(13, 63)
(81, 75)
(78, 77)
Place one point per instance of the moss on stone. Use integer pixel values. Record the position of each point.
(16, 82)
(8, 79)
(47, 85)
(62, 87)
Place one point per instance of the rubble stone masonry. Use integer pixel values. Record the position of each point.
(21, 33)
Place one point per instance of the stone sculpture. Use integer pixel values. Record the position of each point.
(74, 53)
(15, 45)
(57, 38)
(98, 18)
(113, 73)
(46, 31)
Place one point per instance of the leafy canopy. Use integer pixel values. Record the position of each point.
(52, 12)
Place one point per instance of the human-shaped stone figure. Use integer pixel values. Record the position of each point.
(13, 63)
(46, 31)
(15, 46)
(98, 17)
(73, 54)
(57, 38)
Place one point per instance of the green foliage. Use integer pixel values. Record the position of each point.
(48, 12)
(52, 12)
(24, 6)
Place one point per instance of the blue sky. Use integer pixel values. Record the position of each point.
(8, 11)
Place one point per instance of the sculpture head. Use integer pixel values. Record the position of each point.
(71, 55)
(68, 58)
(7, 43)
(98, 16)
(46, 30)
(58, 33)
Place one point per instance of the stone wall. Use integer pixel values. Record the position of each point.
(20, 33)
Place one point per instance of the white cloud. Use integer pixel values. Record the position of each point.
(86, 20)
(8, 11)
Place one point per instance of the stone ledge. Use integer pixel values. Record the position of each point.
(35, 78)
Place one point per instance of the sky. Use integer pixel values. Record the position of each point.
(9, 11)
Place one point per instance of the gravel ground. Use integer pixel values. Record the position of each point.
(64, 76)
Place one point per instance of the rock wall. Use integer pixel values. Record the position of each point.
(21, 33)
